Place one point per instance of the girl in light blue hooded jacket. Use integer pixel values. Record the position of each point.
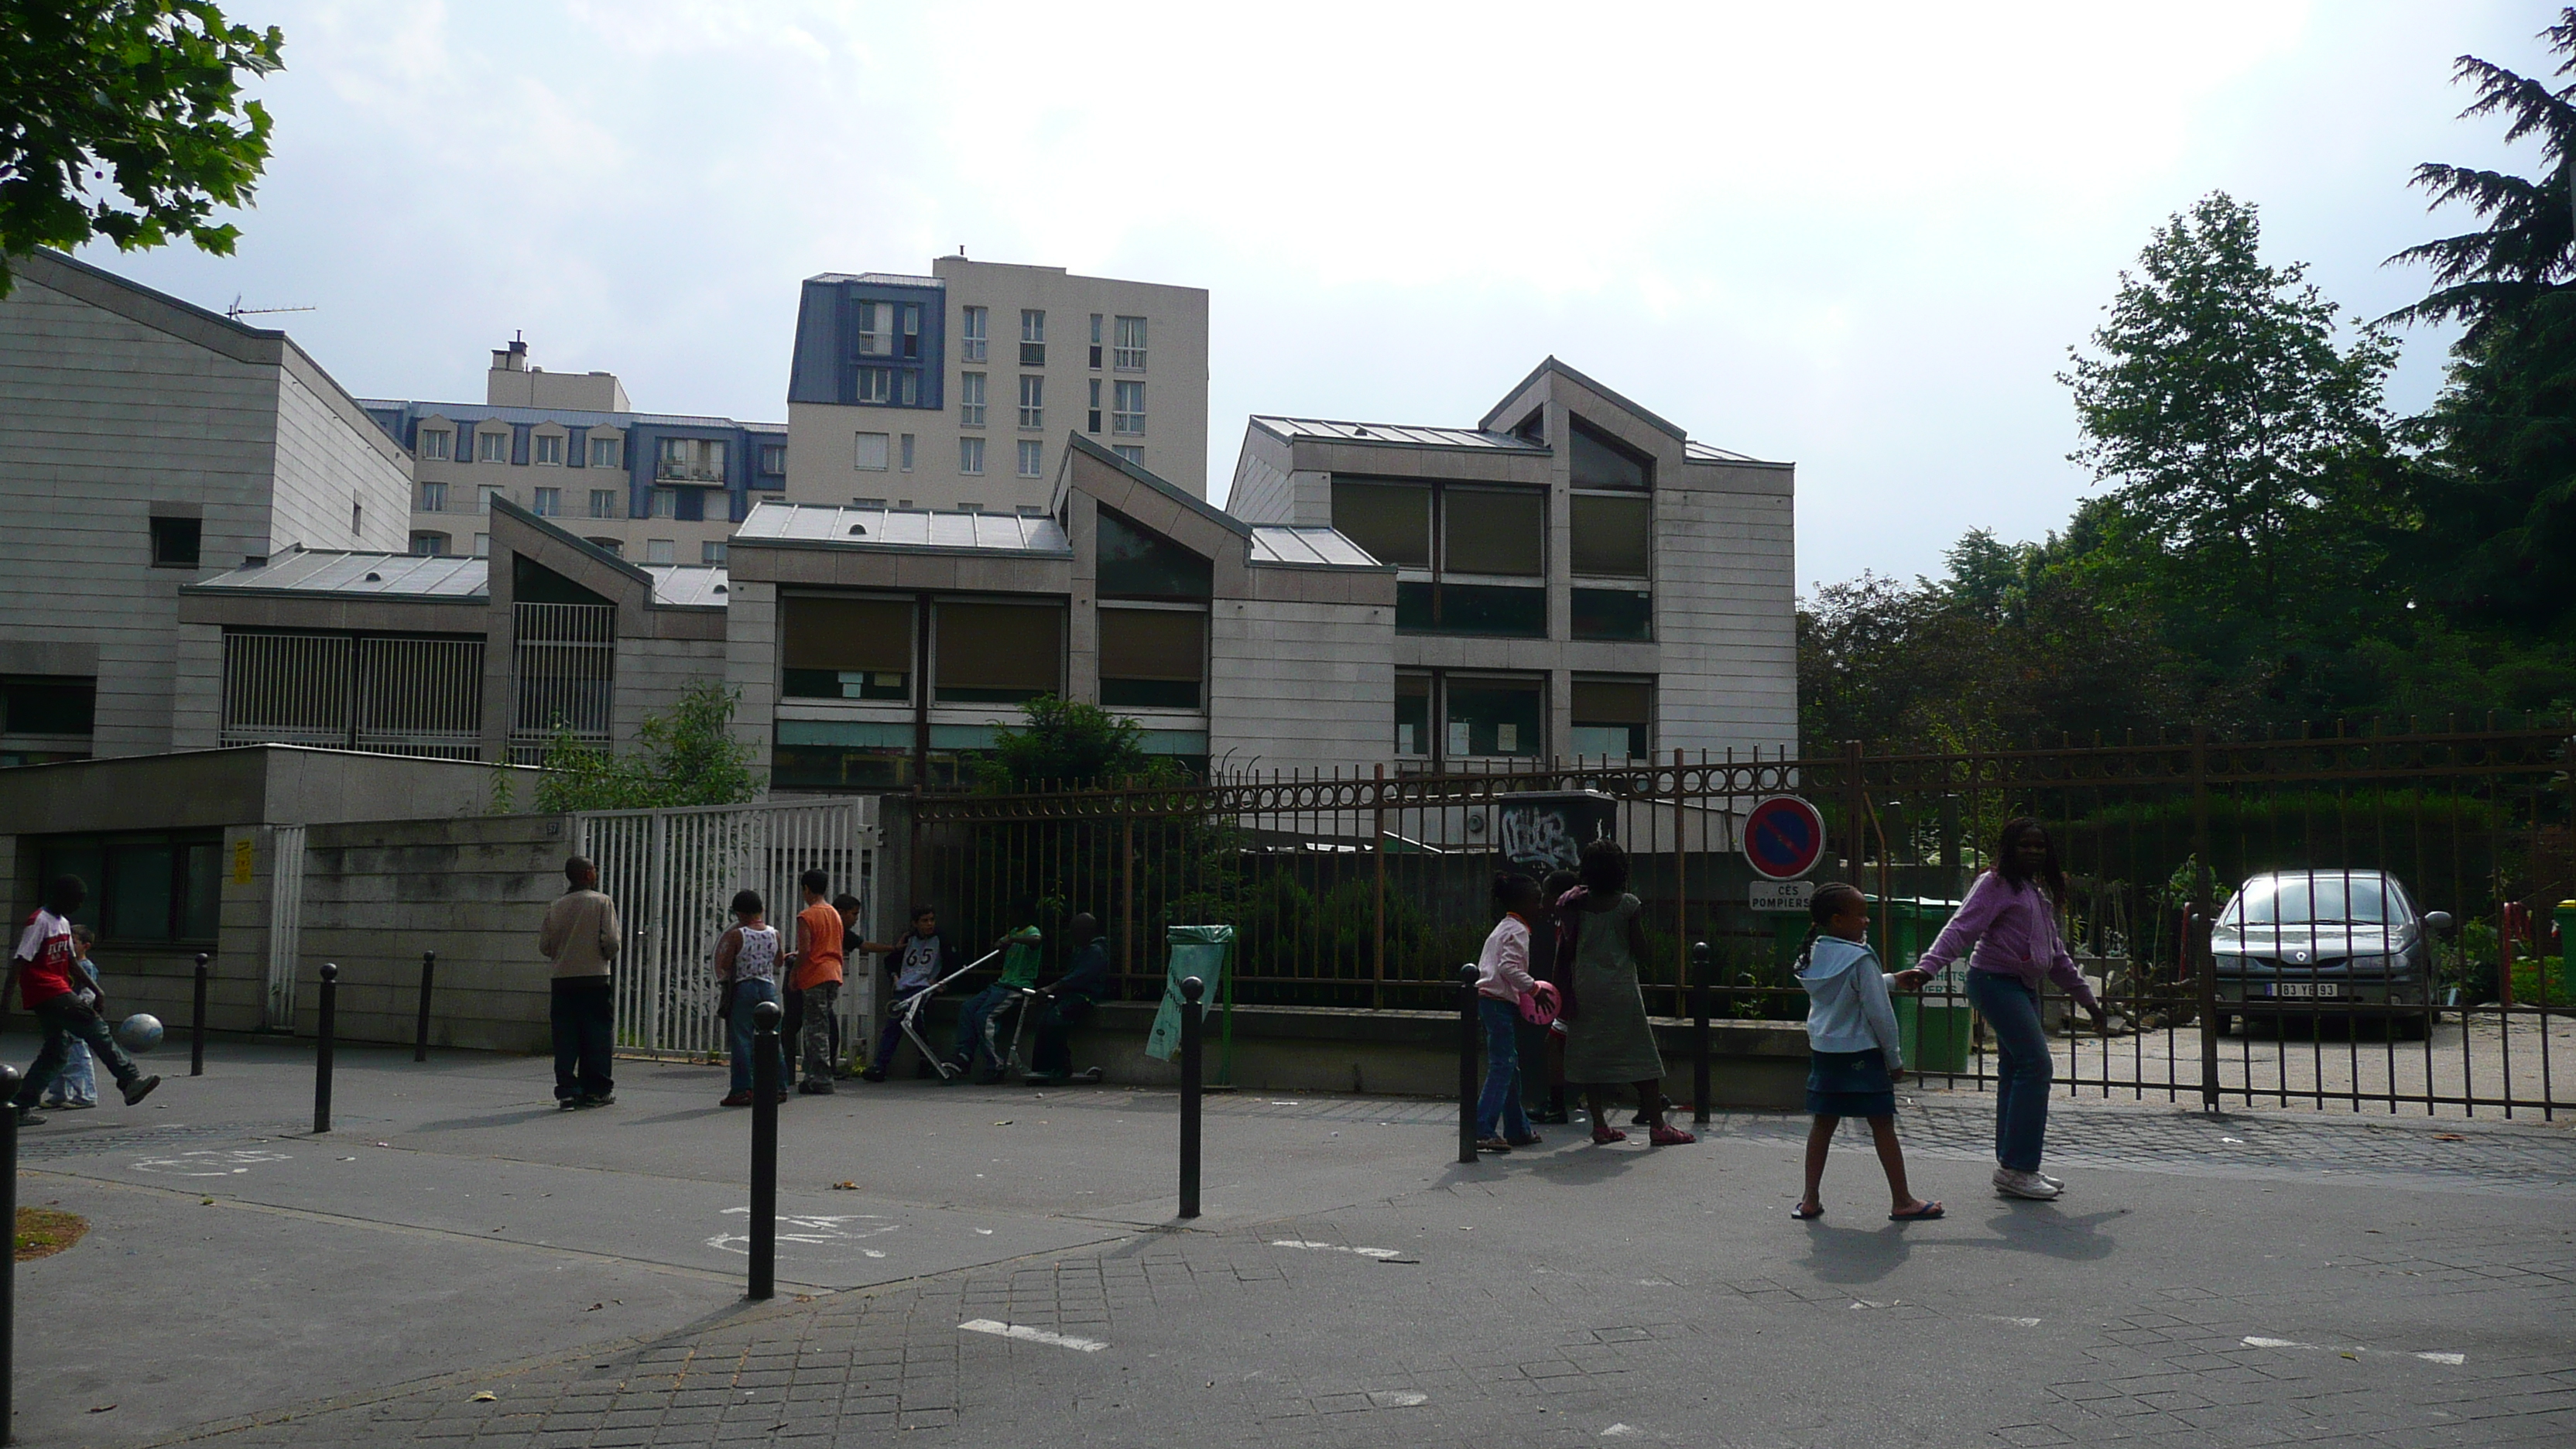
(1852, 1046)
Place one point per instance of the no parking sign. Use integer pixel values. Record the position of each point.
(1784, 837)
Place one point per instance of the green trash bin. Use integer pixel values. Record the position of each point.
(1933, 1027)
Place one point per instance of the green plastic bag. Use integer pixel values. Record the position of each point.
(1200, 951)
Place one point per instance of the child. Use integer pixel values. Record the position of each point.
(49, 985)
(78, 1086)
(917, 958)
(1063, 1005)
(747, 959)
(1502, 979)
(816, 985)
(1019, 974)
(1548, 1042)
(1851, 1036)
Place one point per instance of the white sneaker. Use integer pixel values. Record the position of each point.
(2057, 1183)
(2023, 1184)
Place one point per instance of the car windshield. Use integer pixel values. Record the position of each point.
(2321, 899)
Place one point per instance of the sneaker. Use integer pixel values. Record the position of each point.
(816, 1087)
(604, 1099)
(140, 1088)
(2057, 1183)
(1492, 1144)
(27, 1118)
(736, 1099)
(873, 1074)
(1531, 1140)
(77, 1103)
(2023, 1184)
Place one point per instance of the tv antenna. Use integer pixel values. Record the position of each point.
(237, 311)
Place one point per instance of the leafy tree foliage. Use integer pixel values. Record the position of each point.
(145, 94)
(1065, 742)
(687, 756)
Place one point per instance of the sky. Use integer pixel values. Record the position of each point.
(1858, 238)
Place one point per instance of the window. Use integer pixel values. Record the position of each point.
(1129, 451)
(1470, 557)
(773, 459)
(491, 447)
(607, 452)
(1613, 614)
(1413, 715)
(38, 704)
(1135, 562)
(1611, 718)
(1490, 717)
(1611, 535)
(847, 648)
(864, 318)
(428, 545)
(712, 552)
(1129, 416)
(548, 449)
(483, 497)
(996, 653)
(1032, 458)
(978, 327)
(1032, 401)
(1131, 344)
(433, 498)
(616, 547)
(906, 452)
(436, 443)
(142, 888)
(660, 551)
(549, 502)
(970, 455)
(603, 503)
(1493, 531)
(1152, 658)
(666, 503)
(876, 385)
(1032, 338)
(357, 517)
(1391, 520)
(690, 460)
(1095, 342)
(970, 399)
(907, 389)
(872, 452)
(482, 545)
(1602, 461)
(911, 344)
(1092, 423)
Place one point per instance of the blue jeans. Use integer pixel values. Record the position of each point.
(747, 995)
(66, 1021)
(2023, 1075)
(1499, 1111)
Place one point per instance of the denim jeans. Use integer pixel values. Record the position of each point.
(1499, 1110)
(983, 1006)
(66, 1021)
(583, 1014)
(2023, 1074)
(746, 996)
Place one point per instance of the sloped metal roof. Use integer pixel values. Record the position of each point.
(689, 586)
(824, 523)
(1703, 453)
(392, 575)
(1399, 433)
(1312, 547)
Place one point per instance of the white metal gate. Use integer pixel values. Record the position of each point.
(673, 873)
(285, 922)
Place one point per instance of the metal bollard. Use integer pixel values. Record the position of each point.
(8, 1270)
(322, 1048)
(197, 1024)
(1699, 1034)
(1467, 977)
(420, 1032)
(764, 1149)
(1192, 988)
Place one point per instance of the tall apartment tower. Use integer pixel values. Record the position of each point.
(956, 390)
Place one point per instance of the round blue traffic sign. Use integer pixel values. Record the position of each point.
(1784, 837)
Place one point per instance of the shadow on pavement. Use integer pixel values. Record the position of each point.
(1855, 1255)
(497, 1119)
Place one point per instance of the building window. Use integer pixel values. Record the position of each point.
(142, 887)
(1470, 559)
(482, 545)
(690, 460)
(1135, 562)
(1489, 718)
(549, 502)
(607, 452)
(428, 545)
(1091, 422)
(660, 551)
(1602, 461)
(1129, 416)
(1611, 535)
(603, 503)
(483, 498)
(1613, 613)
(773, 459)
(846, 648)
(970, 398)
(1032, 338)
(712, 552)
(433, 498)
(666, 503)
(904, 452)
(978, 327)
(970, 455)
(1413, 715)
(1095, 342)
(357, 517)
(996, 653)
(907, 389)
(549, 449)
(911, 329)
(872, 338)
(491, 447)
(615, 547)
(1032, 401)
(1132, 452)
(876, 385)
(1611, 717)
(1131, 344)
(435, 444)
(1152, 658)
(1032, 458)
(872, 452)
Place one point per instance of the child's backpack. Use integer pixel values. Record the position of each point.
(1540, 1006)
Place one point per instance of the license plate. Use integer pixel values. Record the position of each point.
(2306, 988)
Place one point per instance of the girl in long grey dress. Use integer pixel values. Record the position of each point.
(1608, 1039)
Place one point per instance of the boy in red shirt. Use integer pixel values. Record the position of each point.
(817, 980)
(49, 983)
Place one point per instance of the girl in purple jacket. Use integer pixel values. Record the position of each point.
(2010, 921)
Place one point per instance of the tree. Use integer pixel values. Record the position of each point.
(688, 756)
(1065, 741)
(145, 91)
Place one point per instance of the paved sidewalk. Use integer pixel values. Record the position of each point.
(1007, 1270)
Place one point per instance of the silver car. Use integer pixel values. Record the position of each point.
(2341, 936)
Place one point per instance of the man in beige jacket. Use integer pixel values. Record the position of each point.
(580, 937)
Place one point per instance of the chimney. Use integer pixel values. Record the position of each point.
(513, 358)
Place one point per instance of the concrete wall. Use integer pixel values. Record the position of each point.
(1726, 610)
(1299, 686)
(327, 456)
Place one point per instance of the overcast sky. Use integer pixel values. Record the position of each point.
(1857, 238)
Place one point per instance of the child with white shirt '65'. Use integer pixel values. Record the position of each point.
(1852, 1045)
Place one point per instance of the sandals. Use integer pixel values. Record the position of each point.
(1670, 1137)
(1531, 1140)
(1604, 1136)
(1492, 1144)
(1921, 1213)
(1801, 1213)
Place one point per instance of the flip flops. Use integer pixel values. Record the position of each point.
(1923, 1214)
(1801, 1214)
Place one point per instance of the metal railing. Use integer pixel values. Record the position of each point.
(563, 675)
(387, 694)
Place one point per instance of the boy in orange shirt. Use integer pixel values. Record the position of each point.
(817, 981)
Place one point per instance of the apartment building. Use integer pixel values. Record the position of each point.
(655, 488)
(955, 391)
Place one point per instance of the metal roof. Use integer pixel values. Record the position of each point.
(1398, 433)
(878, 279)
(689, 586)
(857, 527)
(462, 412)
(1703, 453)
(1314, 547)
(447, 579)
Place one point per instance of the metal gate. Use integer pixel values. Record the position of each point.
(672, 874)
(285, 923)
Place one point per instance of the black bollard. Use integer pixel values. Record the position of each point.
(322, 1048)
(1192, 989)
(1467, 978)
(197, 1024)
(9, 1270)
(1699, 1034)
(764, 1149)
(420, 1032)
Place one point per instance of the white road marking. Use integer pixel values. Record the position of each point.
(1338, 1248)
(2018, 1322)
(1619, 1431)
(1032, 1335)
(208, 1163)
(1396, 1399)
(810, 1229)
(2454, 1359)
